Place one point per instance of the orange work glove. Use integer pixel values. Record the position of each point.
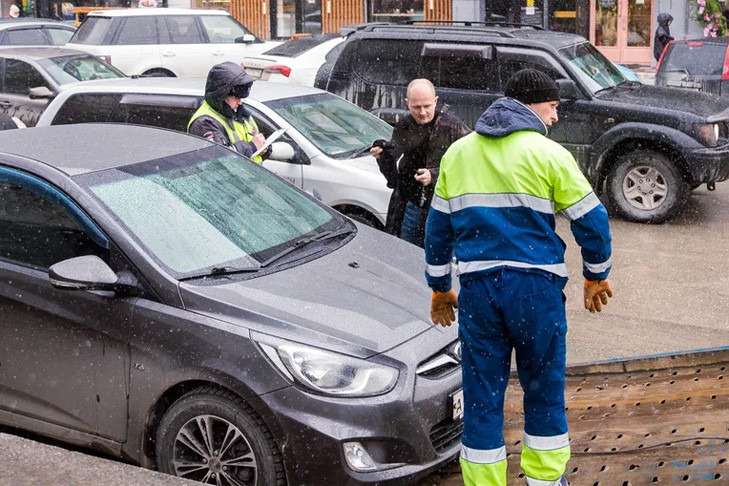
(441, 307)
(597, 293)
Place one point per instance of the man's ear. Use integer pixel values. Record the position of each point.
(436, 100)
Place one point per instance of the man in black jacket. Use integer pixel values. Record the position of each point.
(411, 160)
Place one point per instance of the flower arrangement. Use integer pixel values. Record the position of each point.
(710, 14)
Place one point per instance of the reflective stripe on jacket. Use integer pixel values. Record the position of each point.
(496, 198)
(243, 131)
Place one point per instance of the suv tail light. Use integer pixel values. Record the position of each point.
(278, 68)
(725, 69)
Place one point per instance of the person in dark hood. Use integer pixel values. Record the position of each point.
(663, 35)
(494, 207)
(411, 160)
(223, 118)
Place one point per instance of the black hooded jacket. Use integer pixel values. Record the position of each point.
(221, 80)
(421, 146)
(663, 35)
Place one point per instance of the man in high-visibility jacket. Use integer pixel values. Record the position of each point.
(223, 118)
(494, 207)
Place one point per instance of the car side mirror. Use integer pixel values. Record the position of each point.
(568, 90)
(245, 39)
(282, 151)
(40, 92)
(87, 272)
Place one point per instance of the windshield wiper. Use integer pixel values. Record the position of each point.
(325, 235)
(220, 271)
(359, 152)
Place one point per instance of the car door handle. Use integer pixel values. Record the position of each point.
(218, 53)
(6, 104)
(168, 53)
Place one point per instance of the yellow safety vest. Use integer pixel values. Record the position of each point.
(243, 130)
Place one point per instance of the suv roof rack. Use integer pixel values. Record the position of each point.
(471, 23)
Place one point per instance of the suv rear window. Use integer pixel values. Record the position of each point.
(92, 31)
(86, 108)
(694, 58)
(300, 45)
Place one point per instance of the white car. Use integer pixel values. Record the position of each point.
(325, 149)
(166, 41)
(295, 61)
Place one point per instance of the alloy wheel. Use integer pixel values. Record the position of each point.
(644, 187)
(212, 450)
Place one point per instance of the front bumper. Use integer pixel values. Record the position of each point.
(710, 164)
(410, 429)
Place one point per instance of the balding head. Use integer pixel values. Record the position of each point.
(421, 100)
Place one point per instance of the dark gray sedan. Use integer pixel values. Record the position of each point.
(169, 302)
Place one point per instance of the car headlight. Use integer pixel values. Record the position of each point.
(707, 133)
(331, 373)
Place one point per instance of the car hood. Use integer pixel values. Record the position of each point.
(367, 163)
(685, 101)
(364, 298)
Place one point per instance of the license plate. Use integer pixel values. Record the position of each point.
(457, 404)
(256, 73)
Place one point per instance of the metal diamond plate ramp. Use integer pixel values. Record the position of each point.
(660, 420)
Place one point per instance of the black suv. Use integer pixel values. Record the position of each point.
(646, 147)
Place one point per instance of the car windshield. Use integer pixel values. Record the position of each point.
(202, 211)
(70, 69)
(594, 69)
(337, 127)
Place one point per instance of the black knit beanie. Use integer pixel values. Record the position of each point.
(532, 86)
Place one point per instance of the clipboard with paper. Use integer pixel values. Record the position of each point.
(272, 138)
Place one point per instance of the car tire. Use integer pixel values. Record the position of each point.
(182, 449)
(646, 187)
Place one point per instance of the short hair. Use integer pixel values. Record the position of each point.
(418, 81)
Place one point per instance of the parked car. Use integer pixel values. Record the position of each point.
(295, 61)
(34, 32)
(32, 76)
(170, 302)
(328, 137)
(166, 41)
(645, 147)
(698, 65)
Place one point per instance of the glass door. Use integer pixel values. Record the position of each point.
(622, 30)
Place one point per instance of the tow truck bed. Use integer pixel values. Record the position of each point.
(652, 420)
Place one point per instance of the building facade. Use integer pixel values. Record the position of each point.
(620, 29)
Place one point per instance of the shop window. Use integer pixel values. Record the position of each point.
(396, 10)
(384, 62)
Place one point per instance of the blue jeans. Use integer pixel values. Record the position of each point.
(410, 230)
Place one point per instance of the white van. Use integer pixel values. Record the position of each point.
(166, 41)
